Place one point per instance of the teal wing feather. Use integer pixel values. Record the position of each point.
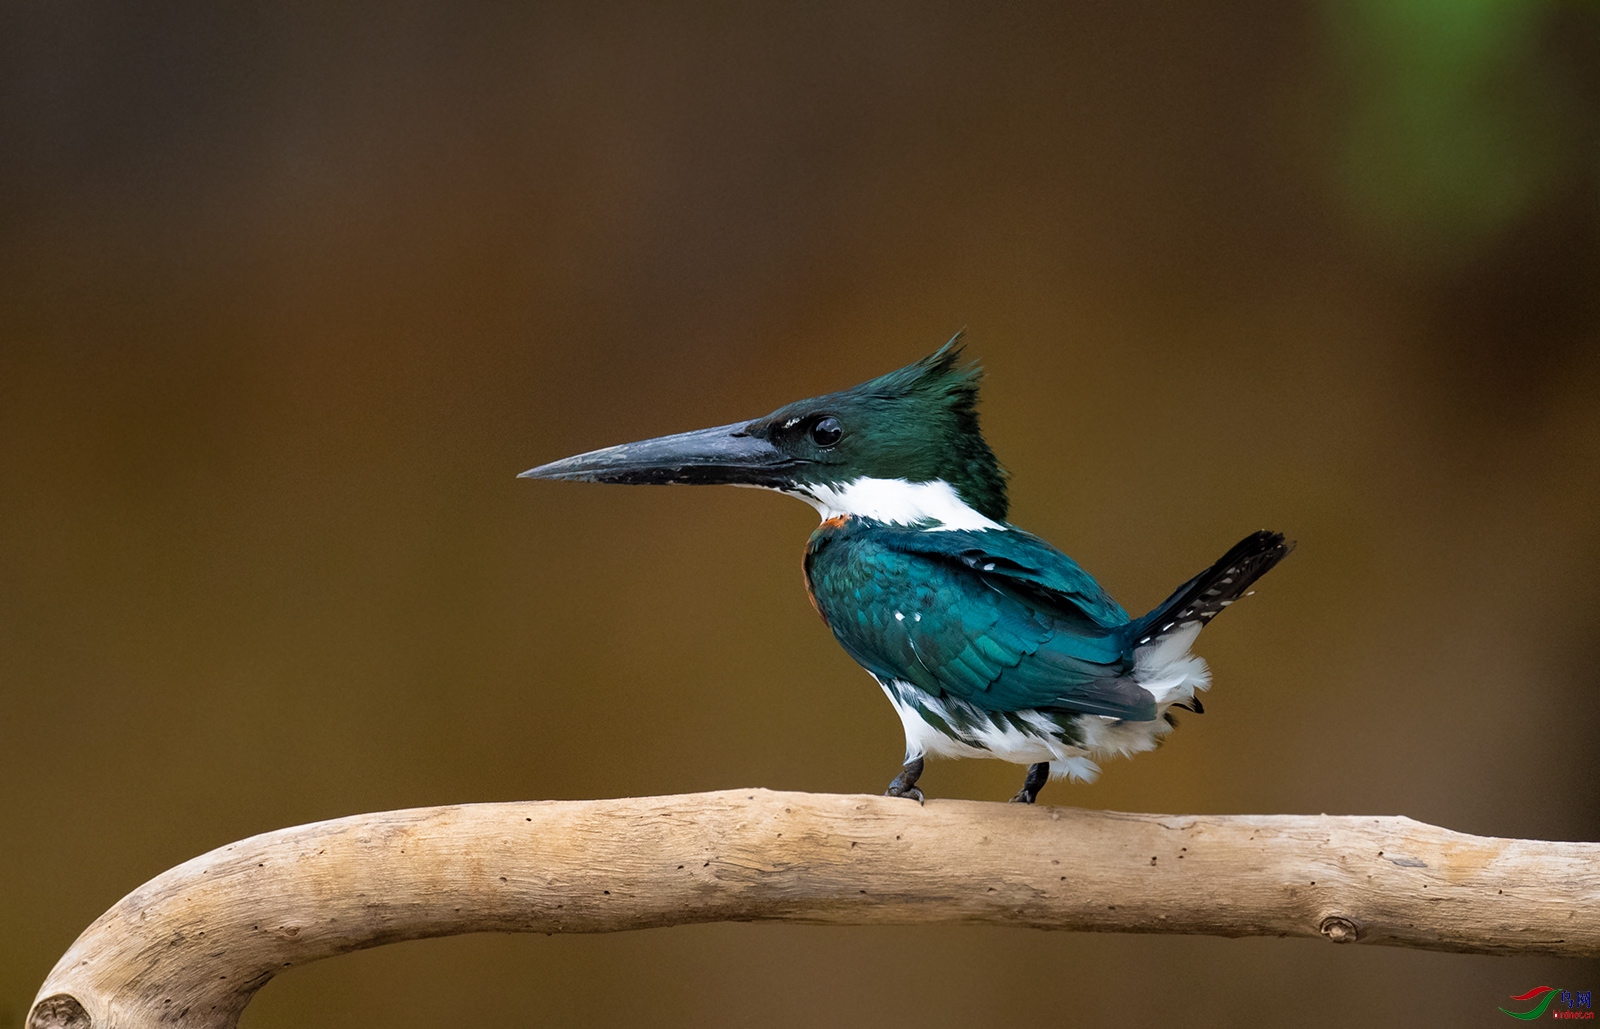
(1000, 619)
(1022, 561)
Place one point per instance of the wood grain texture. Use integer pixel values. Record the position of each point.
(193, 945)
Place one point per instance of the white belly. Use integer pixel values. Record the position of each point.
(950, 727)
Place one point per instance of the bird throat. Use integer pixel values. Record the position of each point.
(934, 504)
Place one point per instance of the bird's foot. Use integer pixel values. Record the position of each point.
(905, 784)
(1038, 775)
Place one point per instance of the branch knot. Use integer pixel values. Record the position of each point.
(1340, 929)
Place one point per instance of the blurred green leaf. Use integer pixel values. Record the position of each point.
(1454, 121)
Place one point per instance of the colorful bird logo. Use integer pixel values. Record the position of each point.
(1545, 995)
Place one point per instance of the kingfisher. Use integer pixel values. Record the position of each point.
(987, 640)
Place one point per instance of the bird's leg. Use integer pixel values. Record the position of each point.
(1038, 775)
(905, 784)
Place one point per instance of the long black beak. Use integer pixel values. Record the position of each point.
(725, 455)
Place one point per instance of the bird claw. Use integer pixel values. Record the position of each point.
(905, 784)
(1038, 775)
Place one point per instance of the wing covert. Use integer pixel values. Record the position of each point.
(995, 626)
(1022, 560)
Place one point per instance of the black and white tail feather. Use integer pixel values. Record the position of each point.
(1205, 596)
(1162, 638)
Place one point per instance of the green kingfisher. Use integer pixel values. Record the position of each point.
(988, 641)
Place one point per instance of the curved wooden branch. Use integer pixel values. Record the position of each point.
(193, 945)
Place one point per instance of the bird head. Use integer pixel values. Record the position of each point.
(904, 447)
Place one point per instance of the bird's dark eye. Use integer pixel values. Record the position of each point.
(827, 432)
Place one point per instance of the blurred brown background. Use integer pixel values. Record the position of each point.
(289, 293)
